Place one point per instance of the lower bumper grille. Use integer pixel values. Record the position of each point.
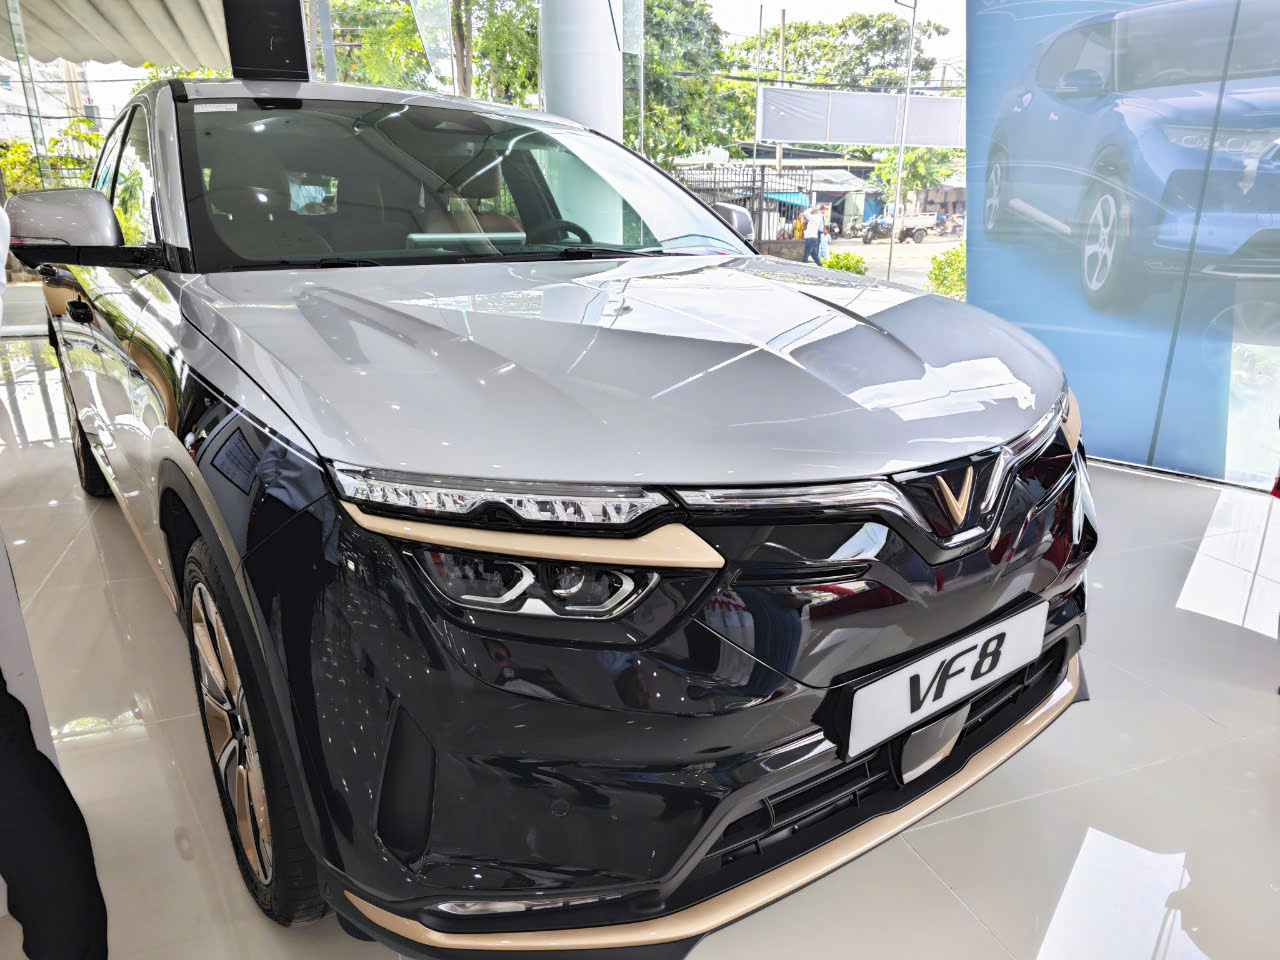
(810, 813)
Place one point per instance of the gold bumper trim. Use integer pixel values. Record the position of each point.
(763, 890)
(673, 545)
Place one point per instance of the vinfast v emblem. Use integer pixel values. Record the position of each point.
(957, 505)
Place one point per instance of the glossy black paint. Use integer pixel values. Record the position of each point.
(550, 750)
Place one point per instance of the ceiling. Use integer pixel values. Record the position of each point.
(164, 32)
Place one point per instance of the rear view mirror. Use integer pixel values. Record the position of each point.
(1081, 83)
(74, 225)
(738, 218)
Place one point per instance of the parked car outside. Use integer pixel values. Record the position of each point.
(559, 574)
(1105, 140)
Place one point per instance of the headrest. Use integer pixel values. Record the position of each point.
(251, 184)
(360, 197)
(483, 178)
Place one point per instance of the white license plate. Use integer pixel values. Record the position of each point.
(930, 684)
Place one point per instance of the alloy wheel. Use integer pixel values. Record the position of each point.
(1100, 242)
(231, 739)
(991, 203)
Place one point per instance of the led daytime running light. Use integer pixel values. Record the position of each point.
(535, 502)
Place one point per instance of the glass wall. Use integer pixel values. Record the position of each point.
(1127, 167)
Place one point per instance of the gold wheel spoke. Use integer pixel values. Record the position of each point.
(244, 821)
(218, 723)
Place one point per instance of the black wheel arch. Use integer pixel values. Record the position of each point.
(184, 519)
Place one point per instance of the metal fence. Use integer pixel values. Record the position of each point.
(774, 199)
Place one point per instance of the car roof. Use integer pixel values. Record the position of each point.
(220, 88)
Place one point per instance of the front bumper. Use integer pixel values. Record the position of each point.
(665, 788)
(674, 934)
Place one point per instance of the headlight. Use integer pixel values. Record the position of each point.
(1249, 144)
(542, 588)
(532, 502)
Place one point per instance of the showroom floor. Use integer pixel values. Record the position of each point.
(1144, 824)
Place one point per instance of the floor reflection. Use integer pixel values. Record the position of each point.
(1128, 895)
(1235, 576)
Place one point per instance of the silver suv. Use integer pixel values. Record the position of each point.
(559, 573)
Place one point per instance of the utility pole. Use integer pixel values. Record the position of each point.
(782, 70)
(755, 144)
(902, 135)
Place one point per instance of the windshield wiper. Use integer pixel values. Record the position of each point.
(310, 264)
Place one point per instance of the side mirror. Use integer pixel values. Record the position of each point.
(74, 225)
(739, 218)
(1081, 83)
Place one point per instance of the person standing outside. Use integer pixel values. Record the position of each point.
(824, 244)
(813, 224)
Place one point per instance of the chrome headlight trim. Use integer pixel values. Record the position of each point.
(1012, 455)
(459, 497)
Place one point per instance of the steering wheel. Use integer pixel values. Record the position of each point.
(553, 230)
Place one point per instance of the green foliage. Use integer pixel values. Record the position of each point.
(19, 167)
(863, 49)
(154, 73)
(506, 51)
(683, 114)
(947, 273)
(377, 42)
(922, 167)
(851, 262)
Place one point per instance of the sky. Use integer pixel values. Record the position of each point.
(742, 17)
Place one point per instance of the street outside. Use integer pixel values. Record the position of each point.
(911, 261)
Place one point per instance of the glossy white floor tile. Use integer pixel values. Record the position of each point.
(1144, 823)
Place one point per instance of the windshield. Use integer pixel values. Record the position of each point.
(321, 183)
(1173, 44)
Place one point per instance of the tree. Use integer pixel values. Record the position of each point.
(922, 167)
(506, 51)
(685, 107)
(461, 27)
(154, 73)
(377, 42)
(863, 49)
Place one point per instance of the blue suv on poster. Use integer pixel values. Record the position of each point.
(1105, 138)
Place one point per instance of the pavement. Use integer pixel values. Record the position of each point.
(911, 261)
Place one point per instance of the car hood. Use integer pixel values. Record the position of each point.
(682, 369)
(1247, 102)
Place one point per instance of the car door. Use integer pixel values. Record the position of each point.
(127, 292)
(1035, 163)
(1068, 132)
(93, 339)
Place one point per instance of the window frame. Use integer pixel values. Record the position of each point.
(122, 124)
(140, 107)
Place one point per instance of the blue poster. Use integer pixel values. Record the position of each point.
(1124, 176)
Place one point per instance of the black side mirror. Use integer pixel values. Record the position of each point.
(1081, 83)
(738, 218)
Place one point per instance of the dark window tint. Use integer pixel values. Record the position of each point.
(1172, 44)
(102, 177)
(135, 185)
(1097, 52)
(316, 179)
(1059, 58)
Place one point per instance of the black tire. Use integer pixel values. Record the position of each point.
(92, 480)
(866, 236)
(1106, 277)
(282, 876)
(918, 234)
(995, 196)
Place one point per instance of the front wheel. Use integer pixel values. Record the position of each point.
(866, 236)
(918, 235)
(995, 199)
(1105, 274)
(248, 766)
